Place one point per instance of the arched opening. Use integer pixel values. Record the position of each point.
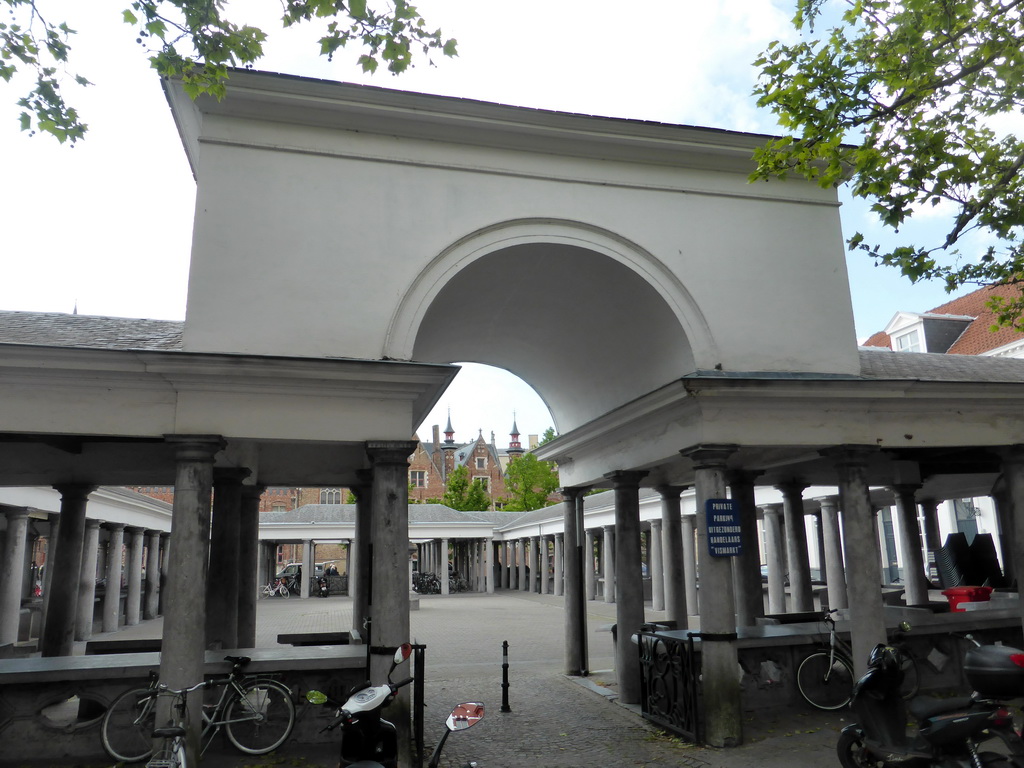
(585, 331)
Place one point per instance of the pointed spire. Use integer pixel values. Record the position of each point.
(514, 446)
(449, 431)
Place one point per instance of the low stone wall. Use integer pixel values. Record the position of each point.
(51, 708)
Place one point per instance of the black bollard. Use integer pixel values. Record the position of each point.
(504, 678)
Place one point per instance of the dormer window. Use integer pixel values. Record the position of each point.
(481, 462)
(907, 342)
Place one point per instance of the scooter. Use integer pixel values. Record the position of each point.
(323, 589)
(949, 731)
(369, 741)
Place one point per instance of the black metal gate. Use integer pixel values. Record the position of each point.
(670, 685)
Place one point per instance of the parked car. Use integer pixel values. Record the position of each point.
(290, 574)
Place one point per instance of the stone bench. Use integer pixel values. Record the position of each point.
(303, 639)
(99, 647)
(53, 706)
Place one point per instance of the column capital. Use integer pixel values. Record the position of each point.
(771, 509)
(655, 524)
(626, 478)
(791, 486)
(230, 474)
(573, 492)
(741, 477)
(709, 456)
(831, 502)
(390, 451)
(116, 526)
(91, 522)
(196, 447)
(134, 530)
(850, 455)
(901, 489)
(72, 491)
(14, 513)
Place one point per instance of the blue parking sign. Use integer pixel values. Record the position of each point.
(723, 518)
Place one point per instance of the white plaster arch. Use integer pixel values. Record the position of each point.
(424, 288)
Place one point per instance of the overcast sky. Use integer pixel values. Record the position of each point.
(107, 225)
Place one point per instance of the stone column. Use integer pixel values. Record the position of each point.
(916, 591)
(359, 575)
(524, 584)
(53, 520)
(151, 609)
(165, 559)
(589, 574)
(629, 586)
(559, 586)
(443, 565)
(867, 620)
(222, 592)
(774, 558)
(746, 568)
(657, 569)
(489, 565)
(834, 568)
(389, 586)
(112, 595)
(87, 582)
(133, 598)
(688, 523)
(608, 552)
(576, 661)
(1013, 471)
(248, 564)
(672, 548)
(819, 530)
(308, 557)
(721, 686)
(545, 564)
(183, 650)
(59, 628)
(933, 537)
(796, 545)
(12, 573)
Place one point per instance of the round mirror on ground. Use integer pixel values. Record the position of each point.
(316, 697)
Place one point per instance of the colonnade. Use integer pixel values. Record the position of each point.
(80, 551)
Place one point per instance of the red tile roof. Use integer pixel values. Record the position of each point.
(978, 338)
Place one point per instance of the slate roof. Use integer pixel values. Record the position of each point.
(346, 513)
(925, 366)
(57, 329)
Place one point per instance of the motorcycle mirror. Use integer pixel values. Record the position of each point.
(904, 626)
(403, 652)
(465, 715)
(316, 697)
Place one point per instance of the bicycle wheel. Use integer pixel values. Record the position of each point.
(266, 591)
(851, 750)
(261, 718)
(825, 681)
(911, 677)
(127, 730)
(284, 592)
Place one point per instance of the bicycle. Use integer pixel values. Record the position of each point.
(276, 587)
(257, 715)
(825, 676)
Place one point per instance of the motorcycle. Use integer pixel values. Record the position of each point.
(323, 589)
(950, 731)
(369, 741)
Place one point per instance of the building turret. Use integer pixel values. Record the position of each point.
(515, 448)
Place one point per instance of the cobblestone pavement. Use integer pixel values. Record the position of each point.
(555, 722)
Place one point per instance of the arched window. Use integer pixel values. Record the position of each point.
(330, 496)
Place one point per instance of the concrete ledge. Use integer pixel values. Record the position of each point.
(84, 686)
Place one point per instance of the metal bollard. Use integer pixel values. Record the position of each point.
(504, 677)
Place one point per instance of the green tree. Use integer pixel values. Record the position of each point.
(529, 481)
(548, 436)
(909, 101)
(196, 41)
(462, 494)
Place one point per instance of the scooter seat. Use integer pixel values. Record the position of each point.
(923, 707)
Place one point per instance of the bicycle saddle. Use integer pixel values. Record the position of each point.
(240, 661)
